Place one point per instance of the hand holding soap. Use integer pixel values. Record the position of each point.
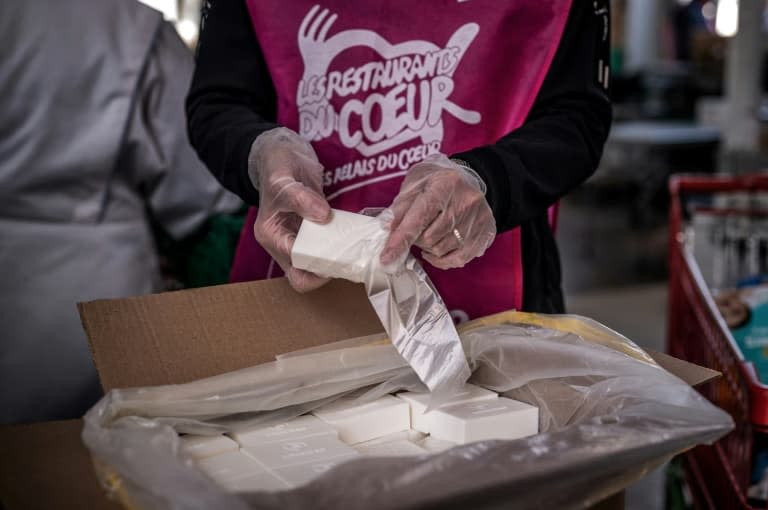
(346, 247)
(285, 169)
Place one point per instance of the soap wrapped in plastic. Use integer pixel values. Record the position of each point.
(407, 304)
(608, 415)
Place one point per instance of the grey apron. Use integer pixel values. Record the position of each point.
(92, 145)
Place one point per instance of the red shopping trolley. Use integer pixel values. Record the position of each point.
(718, 475)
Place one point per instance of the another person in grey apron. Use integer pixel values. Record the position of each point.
(92, 148)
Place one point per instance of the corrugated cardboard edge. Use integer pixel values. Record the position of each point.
(180, 336)
(692, 374)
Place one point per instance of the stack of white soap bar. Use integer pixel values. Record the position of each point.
(339, 248)
(294, 453)
(237, 472)
(362, 422)
(418, 403)
(200, 447)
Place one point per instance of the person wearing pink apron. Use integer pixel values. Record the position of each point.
(374, 96)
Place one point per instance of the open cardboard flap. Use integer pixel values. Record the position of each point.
(177, 337)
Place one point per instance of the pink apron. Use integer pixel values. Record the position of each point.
(378, 85)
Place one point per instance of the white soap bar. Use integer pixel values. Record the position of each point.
(200, 447)
(299, 428)
(299, 451)
(362, 422)
(501, 418)
(229, 466)
(300, 474)
(254, 482)
(401, 448)
(340, 248)
(419, 401)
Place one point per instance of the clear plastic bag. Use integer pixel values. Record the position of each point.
(408, 305)
(608, 415)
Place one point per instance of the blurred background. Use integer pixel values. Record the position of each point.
(688, 85)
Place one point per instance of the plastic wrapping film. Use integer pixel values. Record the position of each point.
(407, 304)
(608, 415)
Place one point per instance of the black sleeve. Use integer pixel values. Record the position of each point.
(232, 99)
(561, 141)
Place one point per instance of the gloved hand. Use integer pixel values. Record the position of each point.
(441, 208)
(286, 171)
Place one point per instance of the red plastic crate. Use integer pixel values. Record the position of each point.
(718, 474)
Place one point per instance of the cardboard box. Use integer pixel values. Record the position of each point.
(46, 465)
(182, 336)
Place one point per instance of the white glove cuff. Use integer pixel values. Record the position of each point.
(466, 167)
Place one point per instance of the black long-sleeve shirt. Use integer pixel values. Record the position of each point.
(232, 100)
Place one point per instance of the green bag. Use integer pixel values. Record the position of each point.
(204, 258)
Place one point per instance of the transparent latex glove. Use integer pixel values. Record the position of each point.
(441, 208)
(286, 171)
